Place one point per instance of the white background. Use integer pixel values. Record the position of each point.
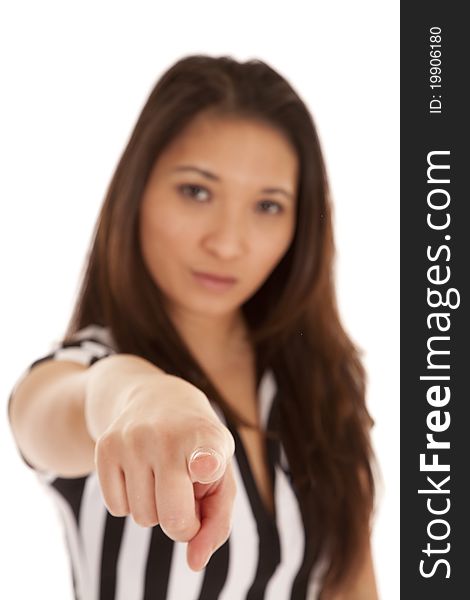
(74, 78)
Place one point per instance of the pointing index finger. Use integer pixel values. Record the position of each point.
(216, 505)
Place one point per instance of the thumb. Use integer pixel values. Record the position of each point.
(206, 465)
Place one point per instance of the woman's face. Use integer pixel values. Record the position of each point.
(220, 201)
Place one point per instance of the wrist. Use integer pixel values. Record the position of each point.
(110, 385)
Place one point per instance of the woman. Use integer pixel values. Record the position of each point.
(205, 390)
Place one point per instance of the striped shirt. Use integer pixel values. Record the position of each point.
(113, 558)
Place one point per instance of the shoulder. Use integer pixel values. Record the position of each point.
(93, 333)
(84, 346)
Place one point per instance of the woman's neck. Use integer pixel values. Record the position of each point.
(213, 340)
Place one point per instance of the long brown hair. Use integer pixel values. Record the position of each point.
(293, 318)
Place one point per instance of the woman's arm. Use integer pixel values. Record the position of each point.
(47, 410)
(161, 452)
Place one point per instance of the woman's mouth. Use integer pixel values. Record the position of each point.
(214, 282)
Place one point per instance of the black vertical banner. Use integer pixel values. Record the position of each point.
(435, 308)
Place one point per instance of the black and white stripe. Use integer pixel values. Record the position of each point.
(115, 559)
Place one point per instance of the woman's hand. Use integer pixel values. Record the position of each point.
(165, 459)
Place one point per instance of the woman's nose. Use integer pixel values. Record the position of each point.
(226, 235)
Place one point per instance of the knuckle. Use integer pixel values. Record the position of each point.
(139, 438)
(165, 437)
(217, 428)
(144, 519)
(177, 527)
(206, 424)
(208, 432)
(116, 509)
(107, 445)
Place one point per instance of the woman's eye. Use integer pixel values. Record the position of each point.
(270, 207)
(193, 191)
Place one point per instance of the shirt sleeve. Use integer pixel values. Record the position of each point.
(85, 347)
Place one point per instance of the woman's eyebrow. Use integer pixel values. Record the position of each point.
(203, 172)
(213, 177)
